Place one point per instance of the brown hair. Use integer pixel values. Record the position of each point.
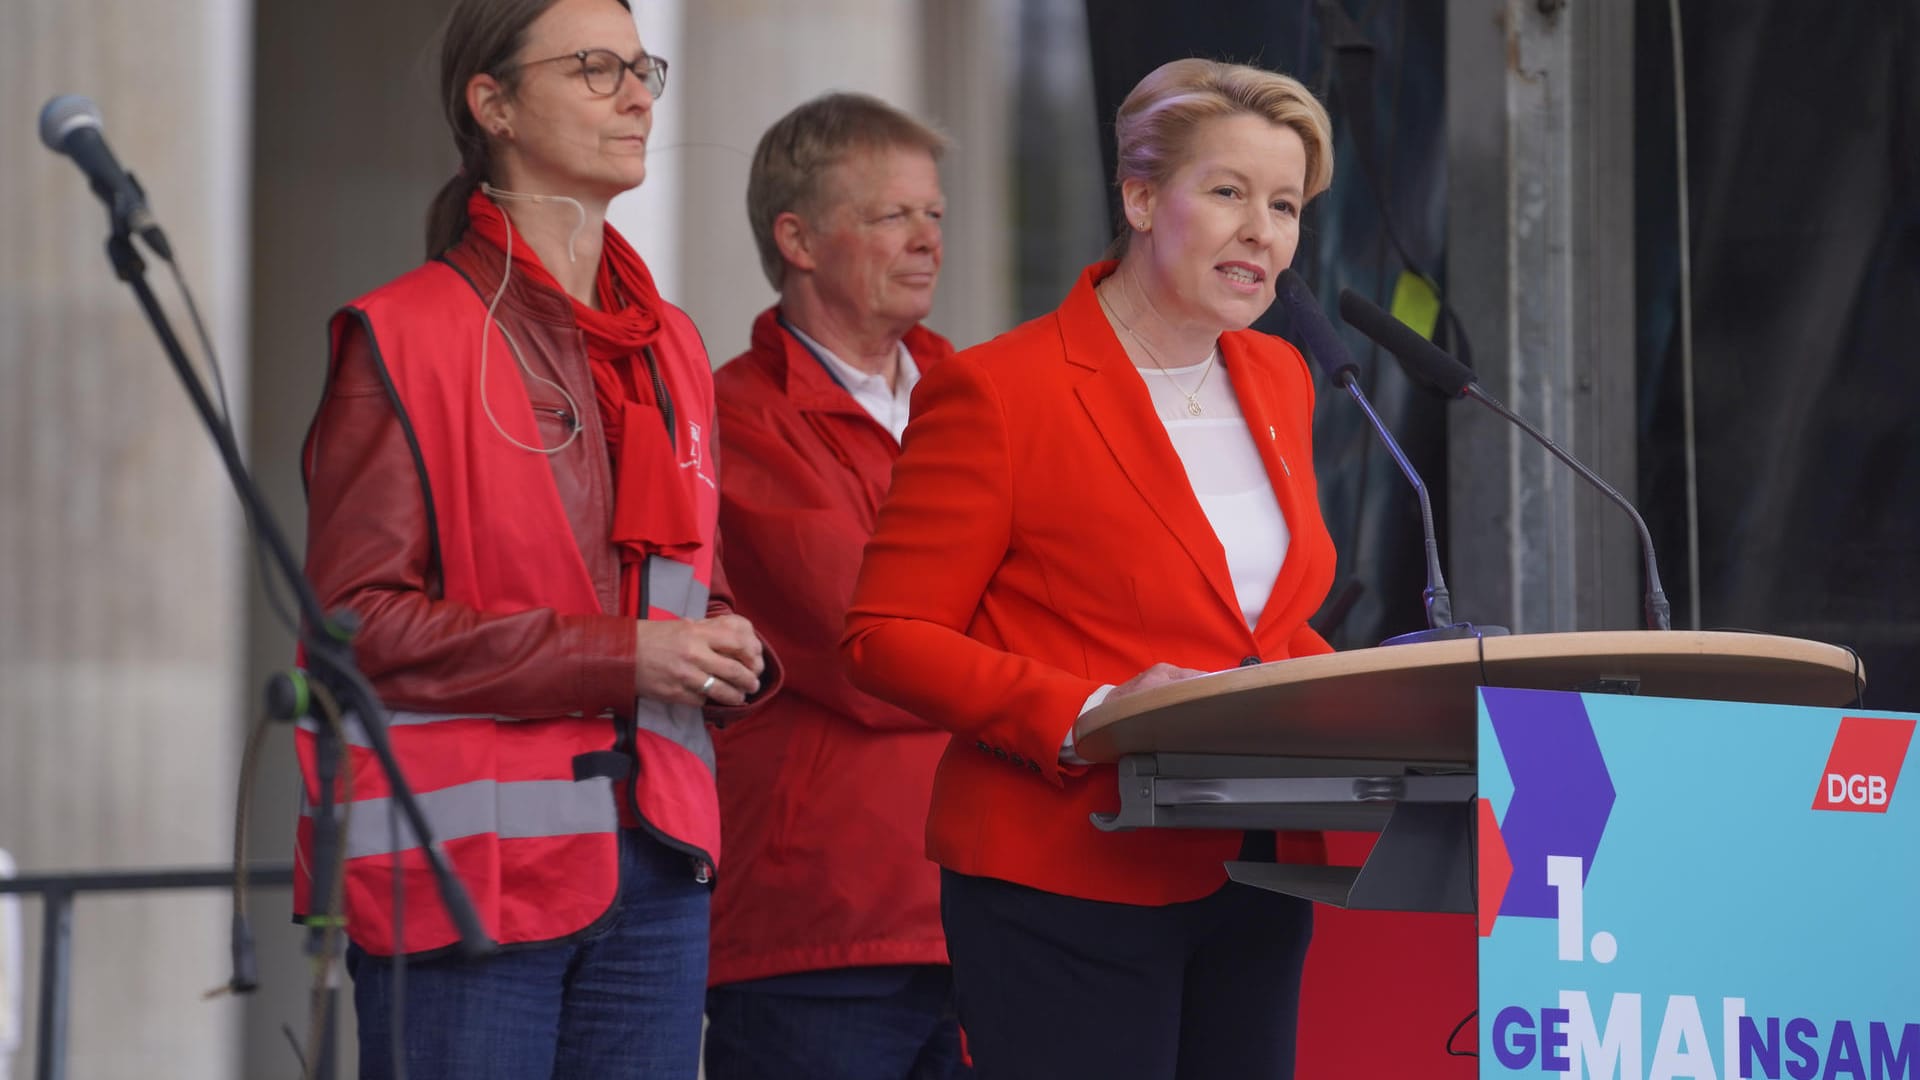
(802, 145)
(481, 36)
(1156, 123)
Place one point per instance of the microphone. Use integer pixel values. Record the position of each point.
(70, 125)
(1427, 364)
(1310, 326)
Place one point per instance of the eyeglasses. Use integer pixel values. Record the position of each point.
(604, 70)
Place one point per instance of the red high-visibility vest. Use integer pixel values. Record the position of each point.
(525, 807)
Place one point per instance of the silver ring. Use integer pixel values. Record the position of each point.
(707, 687)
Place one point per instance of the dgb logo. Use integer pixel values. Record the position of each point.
(1863, 765)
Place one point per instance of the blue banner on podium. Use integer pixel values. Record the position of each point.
(1696, 889)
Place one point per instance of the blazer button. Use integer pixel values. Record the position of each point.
(1018, 761)
(1249, 661)
(983, 747)
(1033, 766)
(1000, 753)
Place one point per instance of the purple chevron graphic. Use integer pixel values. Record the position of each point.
(1561, 791)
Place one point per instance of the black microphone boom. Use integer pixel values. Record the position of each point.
(70, 125)
(1310, 326)
(1425, 363)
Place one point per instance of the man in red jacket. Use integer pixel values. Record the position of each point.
(827, 959)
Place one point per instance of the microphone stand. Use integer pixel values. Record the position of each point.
(1427, 363)
(329, 658)
(1311, 328)
(1657, 611)
(1439, 603)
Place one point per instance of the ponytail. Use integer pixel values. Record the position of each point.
(447, 217)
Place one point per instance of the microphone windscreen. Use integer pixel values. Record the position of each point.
(1312, 331)
(1423, 361)
(62, 114)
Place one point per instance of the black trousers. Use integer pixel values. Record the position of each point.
(1052, 987)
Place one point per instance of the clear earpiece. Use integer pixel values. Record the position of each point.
(485, 337)
(500, 193)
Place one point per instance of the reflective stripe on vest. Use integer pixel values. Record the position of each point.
(514, 811)
(671, 588)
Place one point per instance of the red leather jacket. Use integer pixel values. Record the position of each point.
(374, 548)
(368, 546)
(825, 793)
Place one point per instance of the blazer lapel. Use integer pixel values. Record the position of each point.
(1116, 400)
(1261, 404)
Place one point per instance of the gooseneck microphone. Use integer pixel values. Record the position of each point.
(1428, 365)
(1311, 327)
(70, 125)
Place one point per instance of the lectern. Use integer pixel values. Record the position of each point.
(1383, 740)
(1688, 852)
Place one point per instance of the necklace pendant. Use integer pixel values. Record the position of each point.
(1193, 407)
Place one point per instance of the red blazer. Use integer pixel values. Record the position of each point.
(1041, 539)
(823, 795)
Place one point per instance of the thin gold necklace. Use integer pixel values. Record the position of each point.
(1194, 408)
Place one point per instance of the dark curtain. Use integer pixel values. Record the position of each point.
(1804, 139)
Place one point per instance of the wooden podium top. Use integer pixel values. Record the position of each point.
(1419, 698)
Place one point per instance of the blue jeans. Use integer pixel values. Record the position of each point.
(625, 1003)
(882, 1024)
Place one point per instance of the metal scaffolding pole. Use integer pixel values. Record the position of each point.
(1540, 269)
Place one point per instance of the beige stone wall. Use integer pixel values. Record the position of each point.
(121, 578)
(748, 62)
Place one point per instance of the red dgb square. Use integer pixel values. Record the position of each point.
(1863, 765)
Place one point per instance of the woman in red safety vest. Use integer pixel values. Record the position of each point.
(511, 482)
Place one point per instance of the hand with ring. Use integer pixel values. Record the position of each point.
(713, 661)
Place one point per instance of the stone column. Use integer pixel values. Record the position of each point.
(747, 62)
(121, 565)
(968, 76)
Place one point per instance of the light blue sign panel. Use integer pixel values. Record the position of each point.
(1697, 889)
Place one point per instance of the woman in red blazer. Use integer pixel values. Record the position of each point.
(1108, 498)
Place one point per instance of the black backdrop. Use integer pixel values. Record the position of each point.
(1804, 138)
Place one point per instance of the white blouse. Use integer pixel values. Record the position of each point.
(1228, 477)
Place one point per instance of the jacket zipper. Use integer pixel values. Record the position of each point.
(559, 414)
(660, 395)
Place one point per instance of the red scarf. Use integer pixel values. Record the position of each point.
(653, 503)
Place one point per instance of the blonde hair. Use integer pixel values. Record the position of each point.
(1155, 125)
(800, 147)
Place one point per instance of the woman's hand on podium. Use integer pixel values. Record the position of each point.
(1157, 675)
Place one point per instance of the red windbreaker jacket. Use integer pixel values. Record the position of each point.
(824, 793)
